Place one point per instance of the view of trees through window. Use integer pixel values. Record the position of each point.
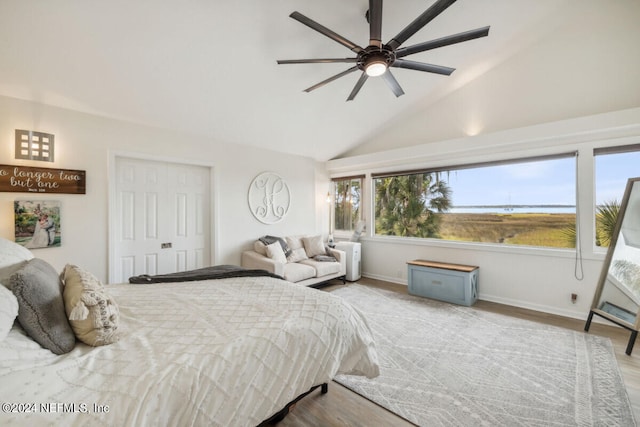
(347, 196)
(523, 202)
(613, 167)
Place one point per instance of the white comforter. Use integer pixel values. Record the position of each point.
(229, 352)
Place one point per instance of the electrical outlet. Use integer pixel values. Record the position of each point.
(574, 298)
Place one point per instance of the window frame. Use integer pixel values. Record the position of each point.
(603, 151)
(445, 169)
(335, 202)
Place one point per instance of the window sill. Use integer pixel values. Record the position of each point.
(486, 247)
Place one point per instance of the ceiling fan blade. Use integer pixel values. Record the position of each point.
(316, 61)
(444, 41)
(436, 9)
(392, 83)
(375, 23)
(330, 79)
(325, 31)
(421, 66)
(363, 78)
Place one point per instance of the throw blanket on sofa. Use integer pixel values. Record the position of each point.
(215, 272)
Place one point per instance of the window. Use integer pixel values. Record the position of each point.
(613, 167)
(520, 202)
(347, 197)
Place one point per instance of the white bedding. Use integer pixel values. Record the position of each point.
(228, 352)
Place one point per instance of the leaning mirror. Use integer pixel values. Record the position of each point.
(617, 296)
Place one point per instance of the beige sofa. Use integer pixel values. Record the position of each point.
(308, 262)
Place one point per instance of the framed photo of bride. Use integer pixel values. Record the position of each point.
(37, 223)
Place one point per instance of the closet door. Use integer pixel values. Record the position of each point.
(162, 218)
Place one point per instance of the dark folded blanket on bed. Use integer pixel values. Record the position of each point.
(215, 272)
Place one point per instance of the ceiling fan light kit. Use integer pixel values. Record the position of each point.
(377, 58)
(375, 67)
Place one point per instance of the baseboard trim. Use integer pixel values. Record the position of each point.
(573, 314)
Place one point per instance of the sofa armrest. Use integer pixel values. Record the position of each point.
(340, 256)
(252, 259)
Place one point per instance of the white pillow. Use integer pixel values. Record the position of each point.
(8, 311)
(297, 255)
(12, 257)
(313, 246)
(294, 242)
(275, 252)
(260, 247)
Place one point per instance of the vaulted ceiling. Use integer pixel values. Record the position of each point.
(209, 67)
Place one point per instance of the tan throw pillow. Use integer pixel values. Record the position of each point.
(92, 313)
(275, 252)
(260, 247)
(294, 242)
(313, 246)
(297, 255)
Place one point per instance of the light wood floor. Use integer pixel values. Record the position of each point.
(342, 407)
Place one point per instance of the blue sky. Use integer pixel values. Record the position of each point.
(612, 173)
(545, 182)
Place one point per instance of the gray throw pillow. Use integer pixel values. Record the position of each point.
(41, 312)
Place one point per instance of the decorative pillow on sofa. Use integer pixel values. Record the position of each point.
(267, 240)
(93, 314)
(313, 246)
(41, 312)
(275, 252)
(12, 257)
(8, 311)
(294, 242)
(260, 247)
(297, 255)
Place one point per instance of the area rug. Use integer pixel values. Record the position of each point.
(449, 365)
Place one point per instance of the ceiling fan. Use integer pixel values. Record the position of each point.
(377, 58)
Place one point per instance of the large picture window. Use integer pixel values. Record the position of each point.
(613, 167)
(519, 202)
(347, 207)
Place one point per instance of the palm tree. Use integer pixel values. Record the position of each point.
(408, 205)
(606, 219)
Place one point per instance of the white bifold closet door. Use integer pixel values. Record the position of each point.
(162, 222)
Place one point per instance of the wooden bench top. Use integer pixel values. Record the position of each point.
(443, 265)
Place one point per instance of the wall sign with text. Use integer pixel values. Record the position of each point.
(25, 179)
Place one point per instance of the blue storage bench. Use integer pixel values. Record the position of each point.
(453, 283)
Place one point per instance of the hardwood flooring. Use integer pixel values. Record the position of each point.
(342, 407)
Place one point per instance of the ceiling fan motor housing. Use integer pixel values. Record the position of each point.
(375, 54)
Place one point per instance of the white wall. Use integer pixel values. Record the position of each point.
(87, 142)
(586, 66)
(541, 279)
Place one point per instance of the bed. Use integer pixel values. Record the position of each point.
(226, 352)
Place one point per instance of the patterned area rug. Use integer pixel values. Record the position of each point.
(448, 365)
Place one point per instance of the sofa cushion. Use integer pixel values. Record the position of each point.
(275, 252)
(296, 271)
(313, 246)
(322, 268)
